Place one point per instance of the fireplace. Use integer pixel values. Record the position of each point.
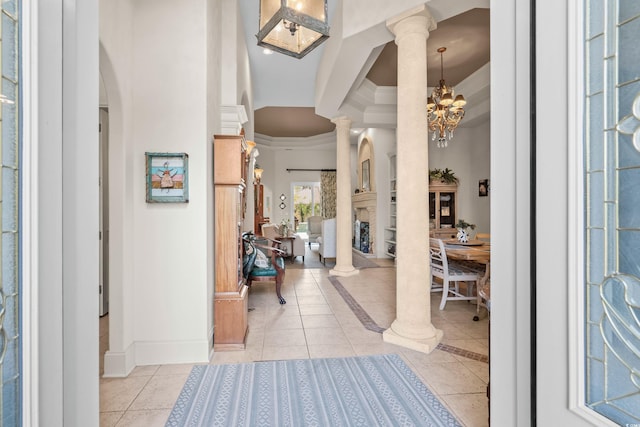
(361, 233)
(364, 206)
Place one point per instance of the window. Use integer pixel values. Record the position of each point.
(10, 135)
(306, 203)
(612, 214)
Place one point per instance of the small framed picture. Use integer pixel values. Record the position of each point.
(167, 177)
(483, 187)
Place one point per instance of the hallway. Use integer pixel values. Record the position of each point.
(324, 318)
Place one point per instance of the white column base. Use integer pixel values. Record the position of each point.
(343, 271)
(424, 345)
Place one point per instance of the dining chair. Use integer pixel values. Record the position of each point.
(258, 268)
(450, 272)
(484, 298)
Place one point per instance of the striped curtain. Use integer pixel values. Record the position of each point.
(328, 191)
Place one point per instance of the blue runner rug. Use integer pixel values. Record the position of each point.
(353, 391)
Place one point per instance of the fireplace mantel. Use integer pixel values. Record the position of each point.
(364, 200)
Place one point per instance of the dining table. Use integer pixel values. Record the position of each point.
(479, 252)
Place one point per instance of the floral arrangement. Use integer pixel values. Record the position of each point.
(445, 175)
(464, 225)
(463, 234)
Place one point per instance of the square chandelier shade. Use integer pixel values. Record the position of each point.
(293, 27)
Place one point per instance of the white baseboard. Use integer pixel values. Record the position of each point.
(171, 352)
(118, 364)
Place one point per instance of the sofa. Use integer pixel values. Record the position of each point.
(327, 239)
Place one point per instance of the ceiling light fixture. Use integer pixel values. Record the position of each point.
(443, 111)
(305, 22)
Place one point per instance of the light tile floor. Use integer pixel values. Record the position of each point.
(316, 322)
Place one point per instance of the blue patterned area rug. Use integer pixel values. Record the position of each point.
(354, 391)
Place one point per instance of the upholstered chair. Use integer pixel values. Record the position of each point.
(314, 224)
(327, 239)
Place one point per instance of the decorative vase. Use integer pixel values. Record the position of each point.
(284, 230)
(463, 235)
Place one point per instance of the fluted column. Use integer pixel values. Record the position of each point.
(344, 256)
(412, 327)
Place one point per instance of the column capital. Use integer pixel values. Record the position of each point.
(342, 121)
(416, 20)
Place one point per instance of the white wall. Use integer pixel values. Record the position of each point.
(167, 99)
(116, 25)
(277, 180)
(170, 276)
(468, 155)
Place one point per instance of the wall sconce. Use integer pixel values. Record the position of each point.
(250, 146)
(293, 27)
(257, 174)
(282, 199)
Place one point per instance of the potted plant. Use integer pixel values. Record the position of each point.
(463, 230)
(446, 176)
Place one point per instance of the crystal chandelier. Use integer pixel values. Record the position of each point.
(444, 112)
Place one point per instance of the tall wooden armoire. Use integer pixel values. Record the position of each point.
(231, 293)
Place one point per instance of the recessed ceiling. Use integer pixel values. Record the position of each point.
(286, 122)
(466, 37)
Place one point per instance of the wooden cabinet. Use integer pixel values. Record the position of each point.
(231, 293)
(442, 210)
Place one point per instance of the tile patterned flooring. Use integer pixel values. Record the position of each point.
(319, 321)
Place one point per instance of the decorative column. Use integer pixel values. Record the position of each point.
(344, 256)
(412, 327)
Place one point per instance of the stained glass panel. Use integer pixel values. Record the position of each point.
(612, 218)
(10, 333)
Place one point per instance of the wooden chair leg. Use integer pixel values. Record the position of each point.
(279, 280)
(445, 293)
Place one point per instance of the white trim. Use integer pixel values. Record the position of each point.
(119, 364)
(158, 352)
(28, 23)
(325, 141)
(510, 208)
(575, 211)
(232, 117)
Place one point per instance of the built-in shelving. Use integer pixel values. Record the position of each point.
(390, 231)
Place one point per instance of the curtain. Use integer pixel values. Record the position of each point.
(328, 191)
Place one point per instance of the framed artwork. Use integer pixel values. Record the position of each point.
(366, 185)
(167, 177)
(483, 188)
